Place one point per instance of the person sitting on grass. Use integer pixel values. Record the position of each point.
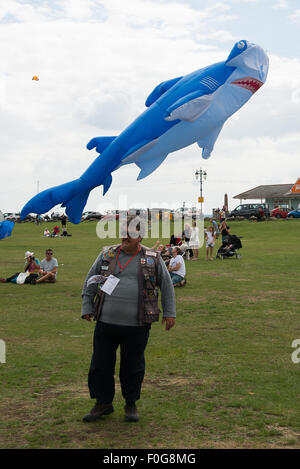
(175, 240)
(164, 251)
(177, 268)
(55, 231)
(31, 267)
(48, 270)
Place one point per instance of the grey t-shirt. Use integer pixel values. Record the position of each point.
(47, 266)
(121, 307)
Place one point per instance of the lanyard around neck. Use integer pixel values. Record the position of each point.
(122, 267)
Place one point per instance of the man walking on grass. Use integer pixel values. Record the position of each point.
(124, 280)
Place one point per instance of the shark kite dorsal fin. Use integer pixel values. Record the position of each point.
(160, 89)
(100, 143)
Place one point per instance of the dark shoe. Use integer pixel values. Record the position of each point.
(183, 282)
(3, 280)
(131, 413)
(97, 411)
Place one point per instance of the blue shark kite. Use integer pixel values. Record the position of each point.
(181, 111)
(6, 228)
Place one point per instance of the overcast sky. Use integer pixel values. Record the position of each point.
(98, 60)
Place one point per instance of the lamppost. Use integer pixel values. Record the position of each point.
(199, 174)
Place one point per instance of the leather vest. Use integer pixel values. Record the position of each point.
(148, 309)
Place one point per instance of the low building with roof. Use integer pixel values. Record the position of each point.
(274, 195)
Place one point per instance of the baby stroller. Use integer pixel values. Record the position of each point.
(229, 247)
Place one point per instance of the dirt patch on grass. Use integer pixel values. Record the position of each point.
(242, 279)
(265, 295)
(80, 390)
(288, 437)
(173, 381)
(227, 444)
(190, 299)
(212, 274)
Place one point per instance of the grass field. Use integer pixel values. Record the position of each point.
(221, 378)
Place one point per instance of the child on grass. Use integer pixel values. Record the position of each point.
(210, 237)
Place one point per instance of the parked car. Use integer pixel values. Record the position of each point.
(11, 216)
(280, 212)
(30, 217)
(55, 216)
(249, 210)
(91, 216)
(294, 213)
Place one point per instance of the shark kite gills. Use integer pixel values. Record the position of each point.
(180, 112)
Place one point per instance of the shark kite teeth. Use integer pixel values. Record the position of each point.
(249, 83)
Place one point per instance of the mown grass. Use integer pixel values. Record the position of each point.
(221, 378)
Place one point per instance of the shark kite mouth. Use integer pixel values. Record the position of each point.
(249, 83)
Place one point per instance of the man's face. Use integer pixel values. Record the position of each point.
(174, 252)
(130, 237)
(49, 254)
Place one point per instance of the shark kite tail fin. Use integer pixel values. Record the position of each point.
(72, 195)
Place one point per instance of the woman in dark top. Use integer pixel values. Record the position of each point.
(224, 228)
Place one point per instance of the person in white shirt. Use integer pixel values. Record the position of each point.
(210, 236)
(48, 270)
(177, 268)
(194, 242)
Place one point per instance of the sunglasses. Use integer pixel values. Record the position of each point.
(50, 253)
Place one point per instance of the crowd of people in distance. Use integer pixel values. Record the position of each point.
(35, 271)
(185, 246)
(56, 230)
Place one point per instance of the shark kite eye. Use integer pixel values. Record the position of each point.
(241, 45)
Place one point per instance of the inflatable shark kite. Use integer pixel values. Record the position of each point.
(6, 228)
(181, 111)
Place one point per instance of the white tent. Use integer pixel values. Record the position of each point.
(1, 216)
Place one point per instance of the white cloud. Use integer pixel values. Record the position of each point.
(281, 4)
(295, 17)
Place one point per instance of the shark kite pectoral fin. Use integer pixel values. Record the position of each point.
(107, 183)
(207, 143)
(100, 143)
(135, 152)
(190, 107)
(160, 89)
(147, 166)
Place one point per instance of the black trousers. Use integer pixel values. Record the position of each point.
(132, 341)
(189, 249)
(9, 279)
(30, 279)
